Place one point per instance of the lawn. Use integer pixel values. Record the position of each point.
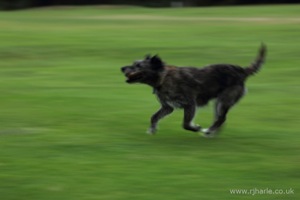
(71, 128)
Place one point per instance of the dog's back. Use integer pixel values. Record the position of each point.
(202, 84)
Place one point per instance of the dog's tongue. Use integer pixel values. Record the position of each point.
(130, 74)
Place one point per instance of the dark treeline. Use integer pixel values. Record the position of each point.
(19, 4)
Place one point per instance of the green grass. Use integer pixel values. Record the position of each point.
(70, 128)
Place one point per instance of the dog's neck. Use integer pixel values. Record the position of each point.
(157, 86)
(161, 79)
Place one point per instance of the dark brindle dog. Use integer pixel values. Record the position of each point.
(190, 87)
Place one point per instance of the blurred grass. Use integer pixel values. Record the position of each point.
(72, 129)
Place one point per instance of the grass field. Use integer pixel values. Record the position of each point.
(71, 128)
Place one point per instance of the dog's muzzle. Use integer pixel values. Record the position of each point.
(123, 69)
(131, 75)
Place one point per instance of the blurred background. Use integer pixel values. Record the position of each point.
(71, 128)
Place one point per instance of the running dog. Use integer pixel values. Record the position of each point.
(191, 87)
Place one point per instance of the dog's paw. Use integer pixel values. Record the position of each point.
(208, 133)
(205, 130)
(197, 127)
(151, 131)
(193, 127)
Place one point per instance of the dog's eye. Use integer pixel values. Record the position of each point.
(138, 65)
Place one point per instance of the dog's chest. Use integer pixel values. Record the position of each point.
(173, 99)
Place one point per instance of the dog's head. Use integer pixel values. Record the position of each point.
(144, 71)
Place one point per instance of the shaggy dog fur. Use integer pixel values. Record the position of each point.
(191, 87)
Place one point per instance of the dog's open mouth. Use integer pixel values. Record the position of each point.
(133, 76)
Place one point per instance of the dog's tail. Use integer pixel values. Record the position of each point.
(256, 65)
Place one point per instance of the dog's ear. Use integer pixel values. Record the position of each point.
(147, 57)
(156, 63)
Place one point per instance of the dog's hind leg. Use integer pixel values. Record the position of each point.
(161, 113)
(224, 102)
(221, 111)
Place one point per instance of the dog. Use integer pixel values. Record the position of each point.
(190, 87)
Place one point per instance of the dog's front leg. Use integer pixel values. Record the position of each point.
(161, 113)
(189, 113)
